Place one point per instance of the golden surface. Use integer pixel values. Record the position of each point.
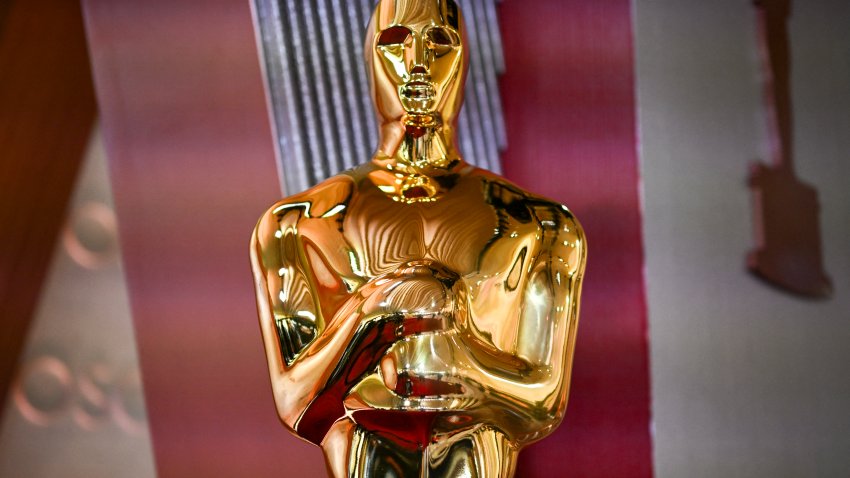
(418, 314)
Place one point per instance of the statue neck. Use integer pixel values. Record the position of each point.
(421, 145)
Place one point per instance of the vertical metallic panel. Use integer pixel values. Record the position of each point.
(464, 135)
(494, 65)
(347, 87)
(319, 84)
(304, 103)
(325, 29)
(285, 119)
(477, 87)
(358, 28)
(492, 22)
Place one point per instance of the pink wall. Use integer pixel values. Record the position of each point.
(192, 164)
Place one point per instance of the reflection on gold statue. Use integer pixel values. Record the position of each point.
(419, 314)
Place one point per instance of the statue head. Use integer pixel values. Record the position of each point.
(417, 58)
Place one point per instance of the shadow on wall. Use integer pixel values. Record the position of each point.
(787, 226)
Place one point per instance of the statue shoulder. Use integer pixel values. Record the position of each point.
(567, 239)
(559, 219)
(323, 199)
(550, 214)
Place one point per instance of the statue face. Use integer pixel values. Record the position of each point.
(417, 60)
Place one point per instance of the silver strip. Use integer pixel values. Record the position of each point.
(350, 86)
(303, 102)
(319, 85)
(486, 127)
(362, 22)
(492, 22)
(339, 157)
(282, 87)
(494, 65)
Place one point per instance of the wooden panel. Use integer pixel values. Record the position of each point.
(47, 109)
(192, 161)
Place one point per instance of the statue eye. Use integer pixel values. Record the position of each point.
(442, 36)
(394, 36)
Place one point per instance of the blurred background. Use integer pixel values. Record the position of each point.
(140, 141)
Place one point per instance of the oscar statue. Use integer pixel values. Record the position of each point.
(419, 314)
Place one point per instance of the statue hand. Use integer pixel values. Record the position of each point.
(362, 354)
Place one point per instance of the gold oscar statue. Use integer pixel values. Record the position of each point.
(419, 314)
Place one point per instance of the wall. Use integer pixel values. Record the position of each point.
(747, 381)
(76, 409)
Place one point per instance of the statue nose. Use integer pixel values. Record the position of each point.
(418, 70)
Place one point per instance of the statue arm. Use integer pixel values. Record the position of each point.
(534, 380)
(312, 372)
(550, 313)
(285, 307)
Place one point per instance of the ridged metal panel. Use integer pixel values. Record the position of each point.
(322, 109)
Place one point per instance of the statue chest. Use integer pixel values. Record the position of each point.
(468, 232)
(385, 233)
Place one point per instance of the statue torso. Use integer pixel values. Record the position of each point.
(481, 229)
